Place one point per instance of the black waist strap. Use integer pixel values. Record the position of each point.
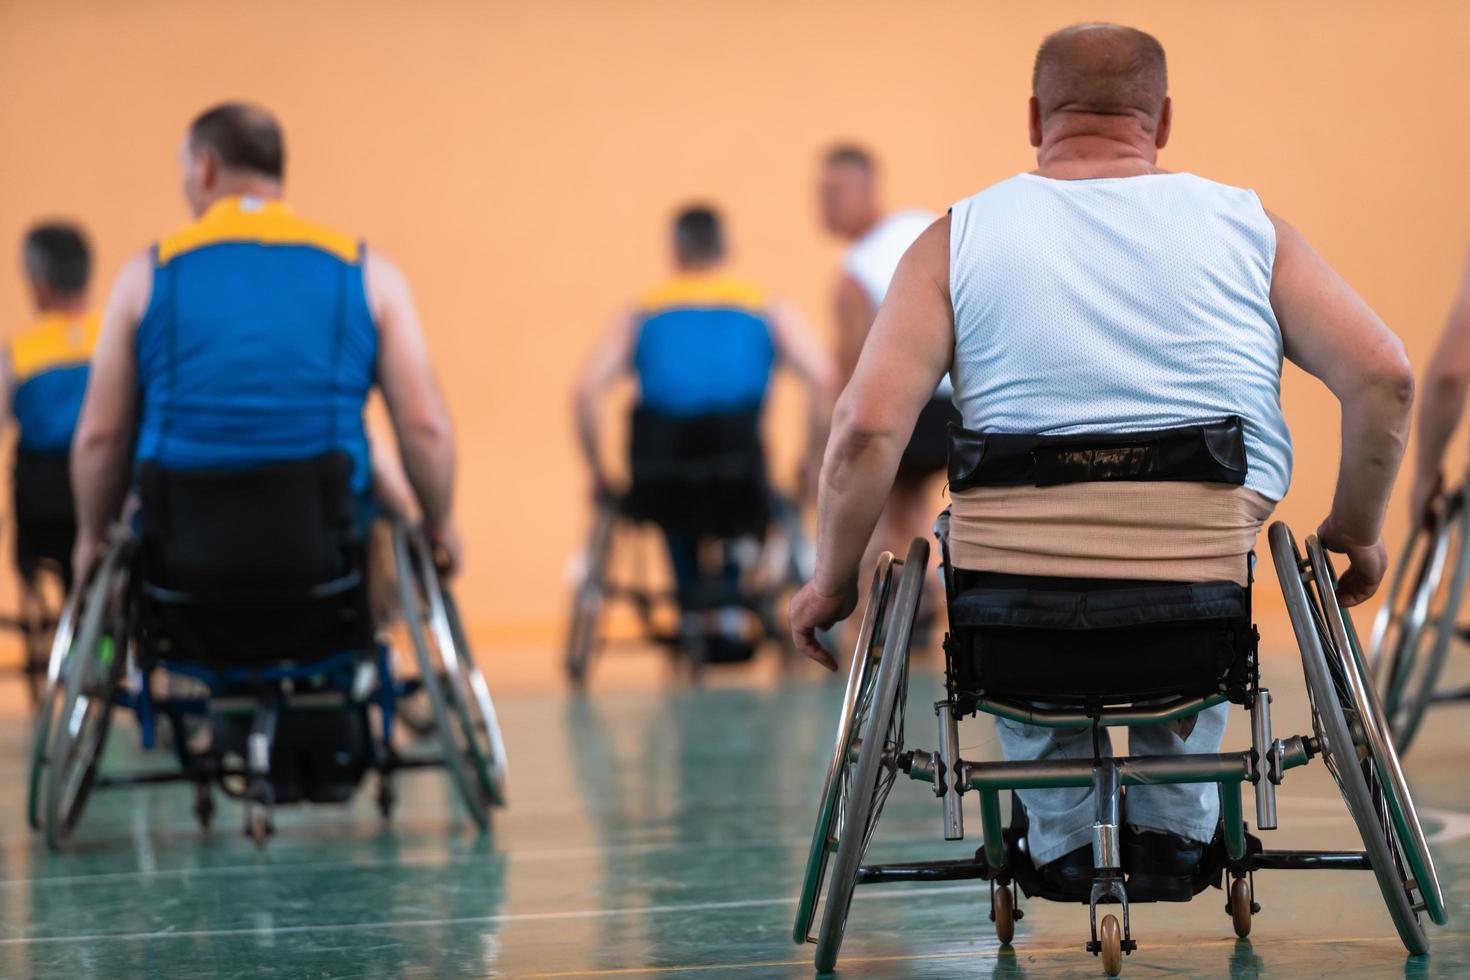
(1209, 452)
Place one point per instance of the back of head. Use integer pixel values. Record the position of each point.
(57, 259)
(243, 138)
(699, 236)
(1101, 69)
(849, 190)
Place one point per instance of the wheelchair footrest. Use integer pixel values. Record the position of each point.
(959, 870)
(1309, 861)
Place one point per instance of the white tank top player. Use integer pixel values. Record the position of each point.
(873, 258)
(1156, 312)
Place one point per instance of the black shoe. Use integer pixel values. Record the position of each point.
(1162, 867)
(1069, 877)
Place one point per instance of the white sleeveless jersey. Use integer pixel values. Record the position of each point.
(1116, 305)
(872, 259)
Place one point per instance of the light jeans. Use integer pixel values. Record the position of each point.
(1062, 819)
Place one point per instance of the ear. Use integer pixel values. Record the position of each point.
(1033, 120)
(208, 170)
(1166, 124)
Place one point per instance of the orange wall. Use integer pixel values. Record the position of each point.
(518, 159)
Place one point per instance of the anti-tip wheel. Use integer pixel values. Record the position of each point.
(1003, 914)
(1110, 934)
(1240, 906)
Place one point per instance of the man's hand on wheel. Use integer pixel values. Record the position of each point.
(448, 548)
(1367, 564)
(84, 555)
(1427, 488)
(811, 611)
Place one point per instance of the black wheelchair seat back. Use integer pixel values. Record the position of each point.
(700, 476)
(259, 565)
(1096, 642)
(45, 514)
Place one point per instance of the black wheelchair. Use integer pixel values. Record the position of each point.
(704, 479)
(239, 612)
(45, 531)
(1419, 622)
(1101, 658)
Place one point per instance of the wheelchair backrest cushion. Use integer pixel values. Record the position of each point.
(699, 475)
(268, 529)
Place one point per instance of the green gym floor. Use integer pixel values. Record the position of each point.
(655, 830)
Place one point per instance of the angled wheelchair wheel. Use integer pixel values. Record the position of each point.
(1354, 742)
(857, 701)
(876, 768)
(1402, 625)
(1416, 676)
(467, 746)
(587, 601)
(90, 672)
(52, 697)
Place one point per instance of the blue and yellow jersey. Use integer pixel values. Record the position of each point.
(49, 367)
(703, 346)
(258, 344)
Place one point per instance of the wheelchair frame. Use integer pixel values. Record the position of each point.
(1348, 734)
(1418, 624)
(97, 669)
(598, 588)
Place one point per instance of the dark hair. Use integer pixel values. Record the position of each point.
(852, 155)
(243, 137)
(56, 253)
(1100, 68)
(699, 235)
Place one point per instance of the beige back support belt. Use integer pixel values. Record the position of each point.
(1155, 531)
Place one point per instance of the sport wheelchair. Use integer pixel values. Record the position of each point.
(704, 479)
(1208, 628)
(45, 531)
(239, 612)
(1419, 622)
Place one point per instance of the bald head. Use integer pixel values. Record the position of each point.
(1100, 69)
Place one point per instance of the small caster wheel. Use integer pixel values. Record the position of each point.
(1003, 914)
(386, 799)
(1110, 935)
(1240, 906)
(204, 807)
(258, 827)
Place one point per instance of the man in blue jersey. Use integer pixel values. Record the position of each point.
(254, 336)
(45, 377)
(1102, 294)
(702, 347)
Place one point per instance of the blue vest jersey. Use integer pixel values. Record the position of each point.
(258, 344)
(49, 369)
(703, 347)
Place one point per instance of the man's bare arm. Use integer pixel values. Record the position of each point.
(855, 313)
(415, 405)
(907, 353)
(609, 361)
(1442, 398)
(105, 431)
(1333, 335)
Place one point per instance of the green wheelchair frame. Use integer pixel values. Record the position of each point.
(1349, 735)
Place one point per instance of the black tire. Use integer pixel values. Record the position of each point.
(53, 696)
(89, 677)
(587, 600)
(876, 769)
(1330, 690)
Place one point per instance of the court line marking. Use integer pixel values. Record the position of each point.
(500, 919)
(980, 952)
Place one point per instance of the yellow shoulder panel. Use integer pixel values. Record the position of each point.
(270, 224)
(55, 341)
(700, 291)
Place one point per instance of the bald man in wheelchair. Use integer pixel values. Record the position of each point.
(1099, 295)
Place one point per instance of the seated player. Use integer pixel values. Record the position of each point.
(47, 377)
(1442, 401)
(253, 337)
(702, 347)
(1101, 294)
